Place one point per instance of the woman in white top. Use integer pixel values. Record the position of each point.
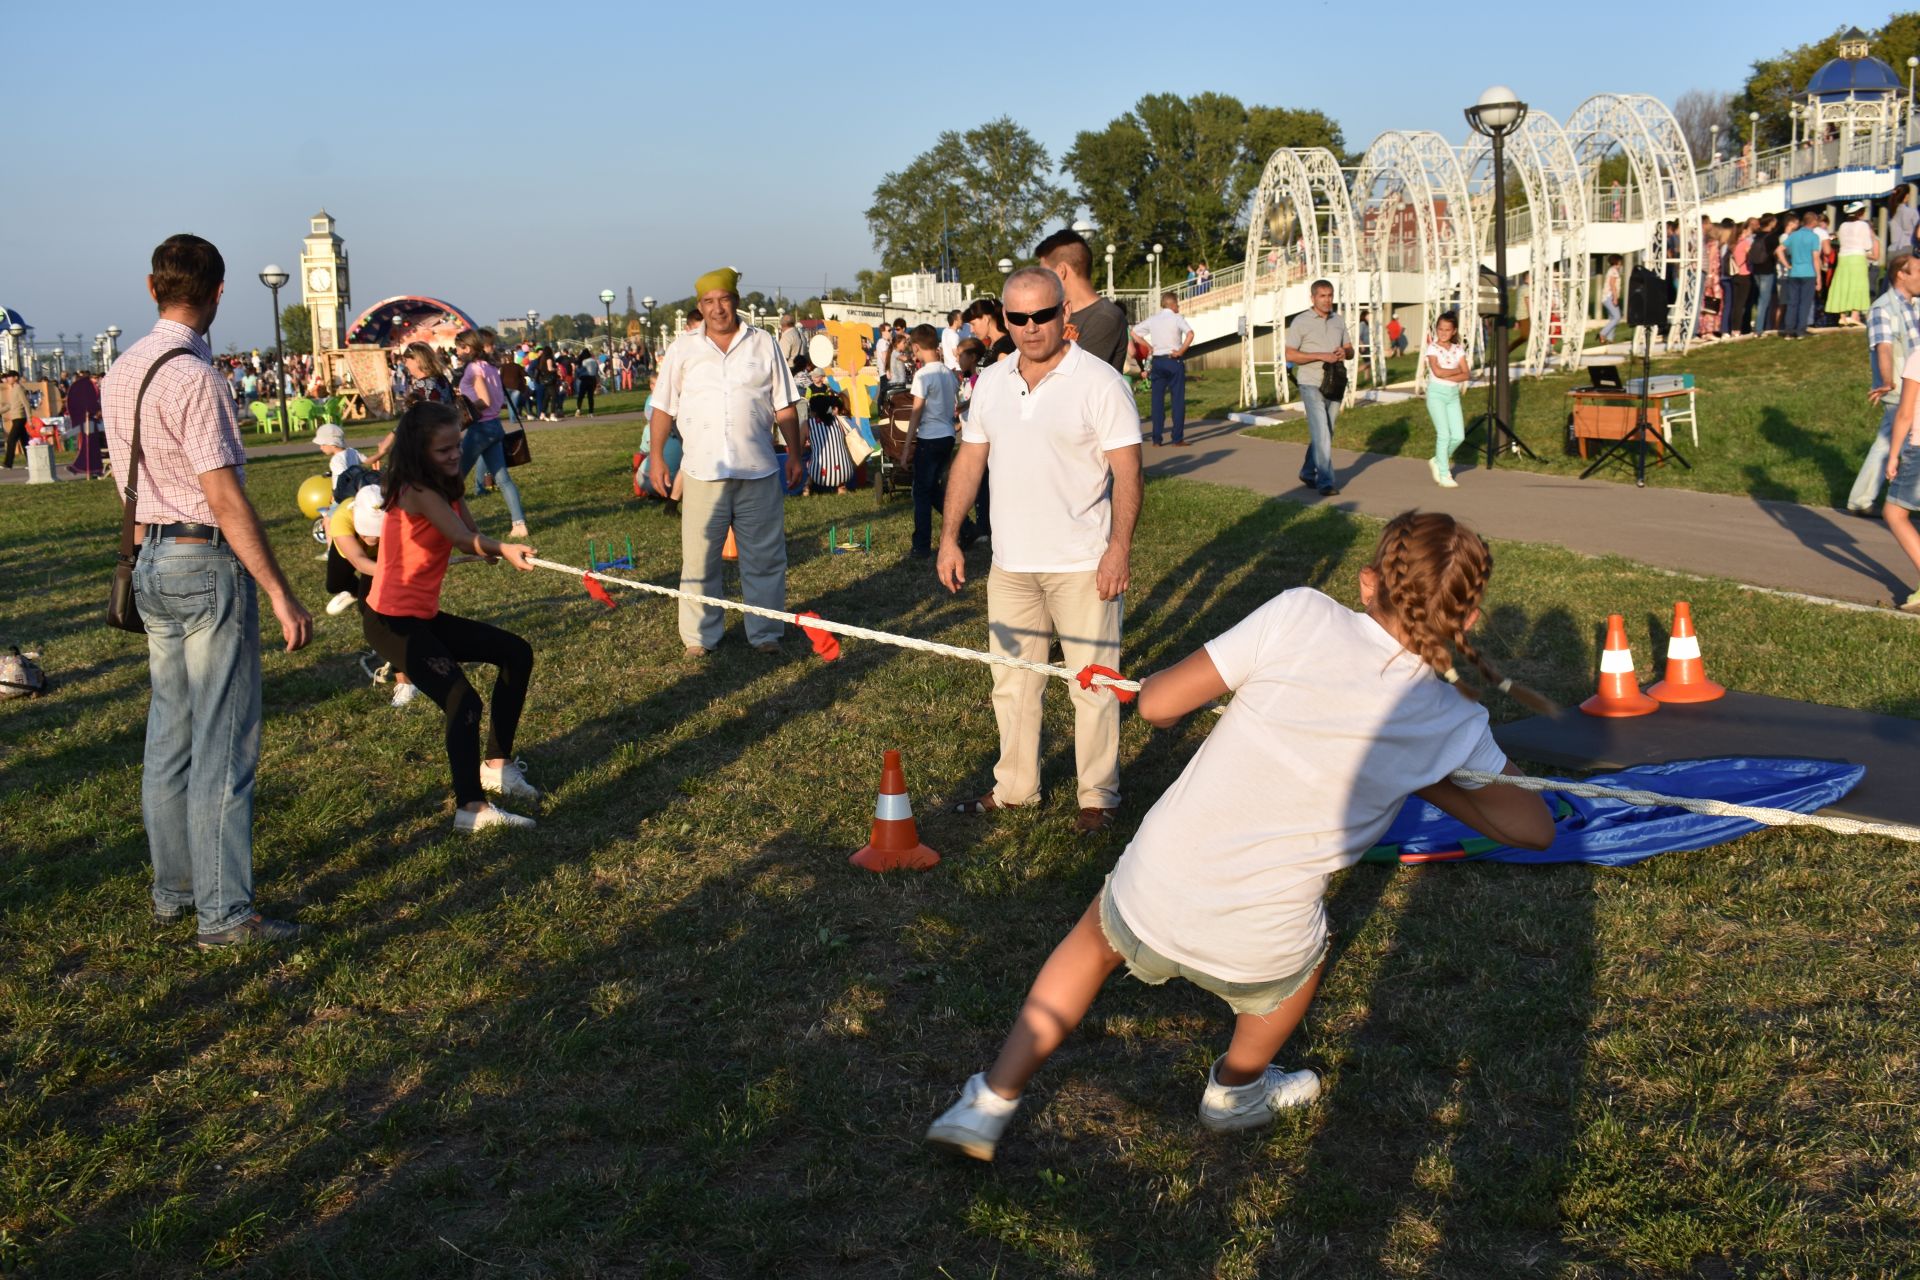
(1447, 374)
(1847, 297)
(1337, 717)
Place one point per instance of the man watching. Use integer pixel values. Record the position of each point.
(1063, 435)
(1893, 334)
(14, 410)
(1169, 334)
(201, 552)
(1098, 325)
(728, 389)
(1315, 339)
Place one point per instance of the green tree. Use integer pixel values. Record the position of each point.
(1180, 171)
(1781, 80)
(296, 329)
(986, 191)
(561, 329)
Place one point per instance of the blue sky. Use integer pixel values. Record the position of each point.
(465, 149)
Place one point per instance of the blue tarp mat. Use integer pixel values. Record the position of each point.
(1616, 834)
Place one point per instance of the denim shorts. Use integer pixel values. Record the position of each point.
(1905, 489)
(1149, 966)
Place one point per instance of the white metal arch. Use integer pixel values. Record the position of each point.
(1664, 181)
(1411, 201)
(1301, 228)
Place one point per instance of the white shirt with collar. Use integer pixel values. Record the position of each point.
(1164, 331)
(724, 402)
(1048, 469)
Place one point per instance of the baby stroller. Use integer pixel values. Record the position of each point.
(890, 429)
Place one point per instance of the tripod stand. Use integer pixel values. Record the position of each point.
(1643, 431)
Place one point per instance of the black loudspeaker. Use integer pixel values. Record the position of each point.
(1647, 299)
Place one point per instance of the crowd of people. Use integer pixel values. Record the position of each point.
(1782, 273)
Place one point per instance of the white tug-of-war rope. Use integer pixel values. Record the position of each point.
(1650, 799)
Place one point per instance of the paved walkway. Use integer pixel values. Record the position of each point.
(1778, 545)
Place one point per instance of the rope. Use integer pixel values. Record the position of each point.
(1092, 678)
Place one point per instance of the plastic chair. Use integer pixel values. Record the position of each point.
(304, 413)
(265, 416)
(1690, 415)
(331, 409)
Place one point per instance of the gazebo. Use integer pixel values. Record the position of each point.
(1852, 108)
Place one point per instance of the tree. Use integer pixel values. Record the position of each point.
(1780, 81)
(1180, 171)
(561, 328)
(1697, 111)
(296, 329)
(983, 193)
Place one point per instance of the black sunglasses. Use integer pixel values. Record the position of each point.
(1017, 318)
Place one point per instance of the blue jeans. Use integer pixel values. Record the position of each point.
(930, 458)
(203, 727)
(1322, 414)
(1798, 294)
(1612, 309)
(1763, 301)
(1873, 472)
(1169, 374)
(482, 442)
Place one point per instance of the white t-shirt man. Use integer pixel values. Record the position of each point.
(883, 349)
(1048, 472)
(1165, 330)
(950, 347)
(1332, 724)
(936, 384)
(724, 402)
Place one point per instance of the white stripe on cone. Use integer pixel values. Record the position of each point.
(892, 808)
(1616, 662)
(1683, 647)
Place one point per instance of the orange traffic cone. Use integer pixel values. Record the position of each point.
(895, 843)
(732, 550)
(1686, 674)
(1619, 693)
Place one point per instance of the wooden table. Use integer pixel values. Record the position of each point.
(1611, 415)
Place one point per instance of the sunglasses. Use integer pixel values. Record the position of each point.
(1015, 319)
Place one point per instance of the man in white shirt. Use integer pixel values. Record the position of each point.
(789, 339)
(1063, 435)
(727, 389)
(1169, 334)
(950, 341)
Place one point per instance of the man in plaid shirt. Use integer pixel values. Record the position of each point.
(201, 552)
(1893, 334)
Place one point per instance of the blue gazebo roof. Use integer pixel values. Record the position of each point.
(14, 318)
(1845, 78)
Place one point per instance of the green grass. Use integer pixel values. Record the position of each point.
(672, 1032)
(1781, 420)
(606, 403)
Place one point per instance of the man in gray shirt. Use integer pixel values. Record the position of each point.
(1097, 325)
(1315, 339)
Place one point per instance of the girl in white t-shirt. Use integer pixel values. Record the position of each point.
(1447, 374)
(1337, 717)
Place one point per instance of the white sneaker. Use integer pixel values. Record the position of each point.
(474, 822)
(1443, 477)
(404, 693)
(1226, 1107)
(508, 781)
(517, 531)
(341, 603)
(973, 1125)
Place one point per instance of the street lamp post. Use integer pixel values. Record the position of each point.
(113, 344)
(533, 323)
(1153, 262)
(646, 309)
(273, 277)
(1109, 271)
(1495, 116)
(606, 300)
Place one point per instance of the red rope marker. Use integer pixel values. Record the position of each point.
(598, 592)
(825, 643)
(1087, 673)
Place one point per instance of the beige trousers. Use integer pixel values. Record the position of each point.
(1024, 612)
(756, 510)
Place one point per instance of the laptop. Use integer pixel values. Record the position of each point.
(1604, 377)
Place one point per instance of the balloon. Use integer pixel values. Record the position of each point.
(316, 495)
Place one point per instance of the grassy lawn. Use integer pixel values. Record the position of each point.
(672, 1032)
(1786, 420)
(610, 402)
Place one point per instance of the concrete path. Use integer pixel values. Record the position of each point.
(1777, 545)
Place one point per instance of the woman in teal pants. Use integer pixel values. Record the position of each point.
(1447, 373)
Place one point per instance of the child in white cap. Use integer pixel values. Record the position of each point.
(331, 440)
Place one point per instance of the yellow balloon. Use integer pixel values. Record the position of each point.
(316, 495)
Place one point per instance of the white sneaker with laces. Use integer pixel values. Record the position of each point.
(973, 1125)
(340, 603)
(404, 693)
(475, 821)
(1225, 1107)
(508, 781)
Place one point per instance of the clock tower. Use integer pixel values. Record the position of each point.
(323, 283)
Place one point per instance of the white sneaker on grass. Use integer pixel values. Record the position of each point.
(340, 603)
(475, 821)
(1225, 1107)
(508, 781)
(404, 693)
(973, 1125)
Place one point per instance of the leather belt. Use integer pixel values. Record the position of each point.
(186, 532)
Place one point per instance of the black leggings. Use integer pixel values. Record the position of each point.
(16, 435)
(430, 651)
(583, 389)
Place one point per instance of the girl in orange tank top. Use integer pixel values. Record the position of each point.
(425, 523)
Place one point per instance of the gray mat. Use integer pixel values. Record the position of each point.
(1740, 724)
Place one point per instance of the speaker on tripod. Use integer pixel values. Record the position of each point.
(1648, 299)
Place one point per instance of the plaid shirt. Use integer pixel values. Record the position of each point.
(1893, 319)
(187, 427)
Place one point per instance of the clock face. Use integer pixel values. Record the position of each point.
(320, 280)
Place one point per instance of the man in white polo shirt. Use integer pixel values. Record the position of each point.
(1063, 435)
(727, 389)
(1169, 334)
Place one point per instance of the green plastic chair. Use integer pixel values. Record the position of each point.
(332, 409)
(266, 416)
(304, 413)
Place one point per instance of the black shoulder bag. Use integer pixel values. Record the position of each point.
(122, 611)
